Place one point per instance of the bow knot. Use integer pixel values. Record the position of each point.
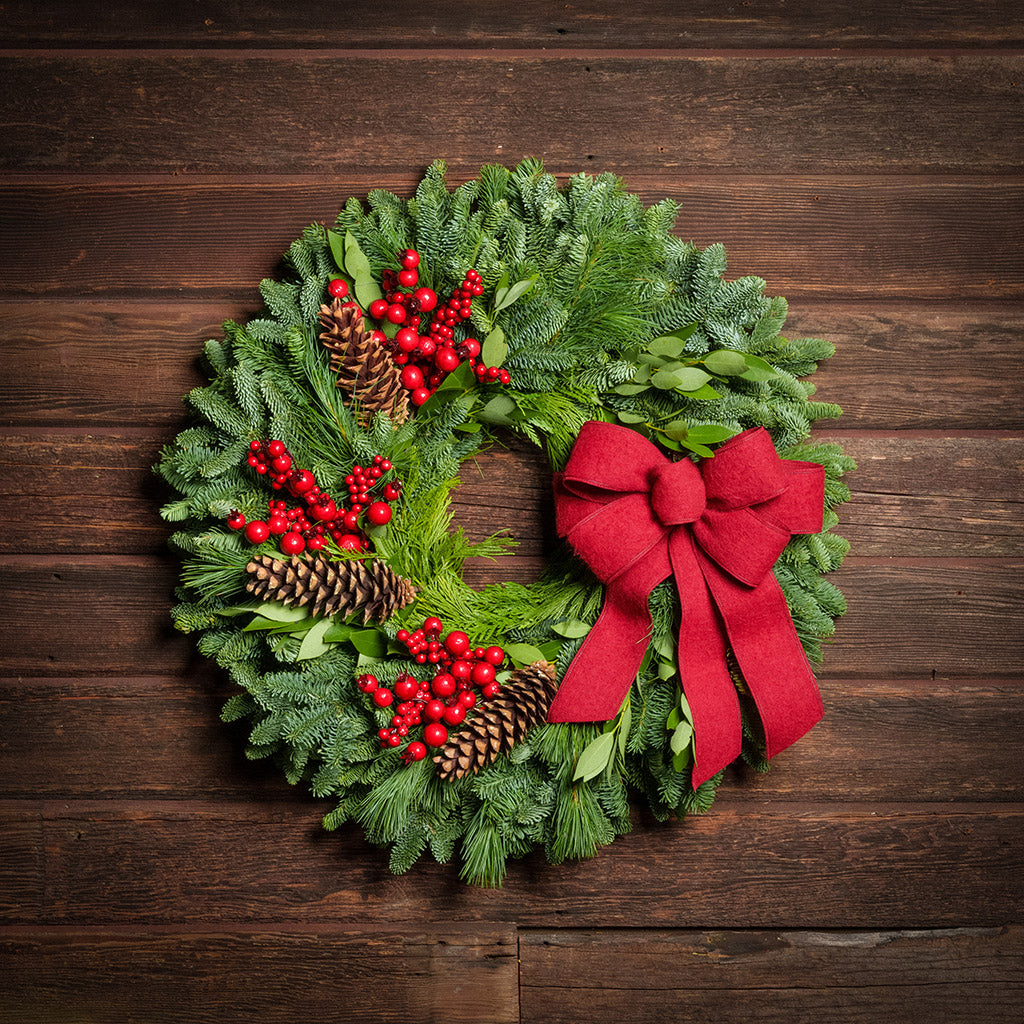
(677, 492)
(636, 518)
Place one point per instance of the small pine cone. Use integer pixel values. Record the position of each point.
(522, 704)
(331, 587)
(366, 370)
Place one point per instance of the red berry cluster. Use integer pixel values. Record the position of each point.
(443, 701)
(301, 528)
(426, 359)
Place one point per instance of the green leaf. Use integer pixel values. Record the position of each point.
(684, 707)
(666, 345)
(725, 362)
(642, 375)
(282, 612)
(674, 718)
(469, 427)
(681, 761)
(758, 368)
(595, 757)
(571, 628)
(684, 333)
(704, 394)
(358, 266)
(666, 670)
(625, 721)
(517, 291)
(370, 642)
(461, 377)
(710, 433)
(240, 609)
(698, 449)
(337, 244)
(524, 654)
(631, 389)
(691, 378)
(498, 411)
(665, 646)
(550, 649)
(338, 632)
(313, 643)
(494, 350)
(681, 737)
(630, 417)
(677, 429)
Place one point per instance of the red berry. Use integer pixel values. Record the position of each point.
(455, 714)
(467, 699)
(379, 513)
(281, 464)
(483, 673)
(492, 689)
(350, 542)
(394, 740)
(412, 377)
(416, 751)
(378, 309)
(457, 642)
(236, 520)
(350, 520)
(435, 735)
(433, 710)
(461, 669)
(472, 347)
(493, 373)
(277, 524)
(406, 687)
(433, 625)
(301, 482)
(257, 531)
(396, 313)
(275, 448)
(392, 492)
(446, 359)
(383, 697)
(408, 278)
(367, 682)
(407, 339)
(338, 288)
(409, 258)
(293, 543)
(419, 397)
(427, 347)
(426, 298)
(324, 511)
(403, 635)
(315, 543)
(495, 655)
(443, 684)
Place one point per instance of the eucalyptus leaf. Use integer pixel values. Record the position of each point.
(681, 737)
(370, 642)
(710, 433)
(313, 643)
(725, 362)
(516, 291)
(674, 718)
(498, 411)
(681, 761)
(691, 378)
(337, 244)
(358, 266)
(666, 380)
(595, 757)
(625, 721)
(494, 350)
(631, 389)
(524, 654)
(666, 670)
(642, 375)
(684, 707)
(665, 646)
(677, 429)
(684, 333)
(666, 345)
(549, 650)
(282, 612)
(698, 449)
(758, 368)
(240, 609)
(630, 417)
(338, 632)
(469, 427)
(571, 628)
(704, 394)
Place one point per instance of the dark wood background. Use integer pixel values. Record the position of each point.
(157, 159)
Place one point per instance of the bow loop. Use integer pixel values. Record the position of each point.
(745, 471)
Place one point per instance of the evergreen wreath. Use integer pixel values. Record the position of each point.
(576, 304)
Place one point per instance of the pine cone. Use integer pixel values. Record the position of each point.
(522, 703)
(332, 587)
(365, 370)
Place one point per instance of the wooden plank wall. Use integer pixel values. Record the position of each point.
(156, 159)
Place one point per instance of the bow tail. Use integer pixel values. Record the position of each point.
(709, 689)
(603, 670)
(770, 655)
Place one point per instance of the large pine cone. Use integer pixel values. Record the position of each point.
(365, 370)
(331, 587)
(522, 704)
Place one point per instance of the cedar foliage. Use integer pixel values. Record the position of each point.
(610, 276)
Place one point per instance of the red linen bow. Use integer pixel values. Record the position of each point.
(635, 518)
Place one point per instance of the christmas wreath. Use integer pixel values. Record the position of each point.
(671, 634)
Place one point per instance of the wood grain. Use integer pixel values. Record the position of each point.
(929, 497)
(879, 741)
(188, 114)
(915, 977)
(530, 23)
(808, 866)
(275, 974)
(812, 235)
